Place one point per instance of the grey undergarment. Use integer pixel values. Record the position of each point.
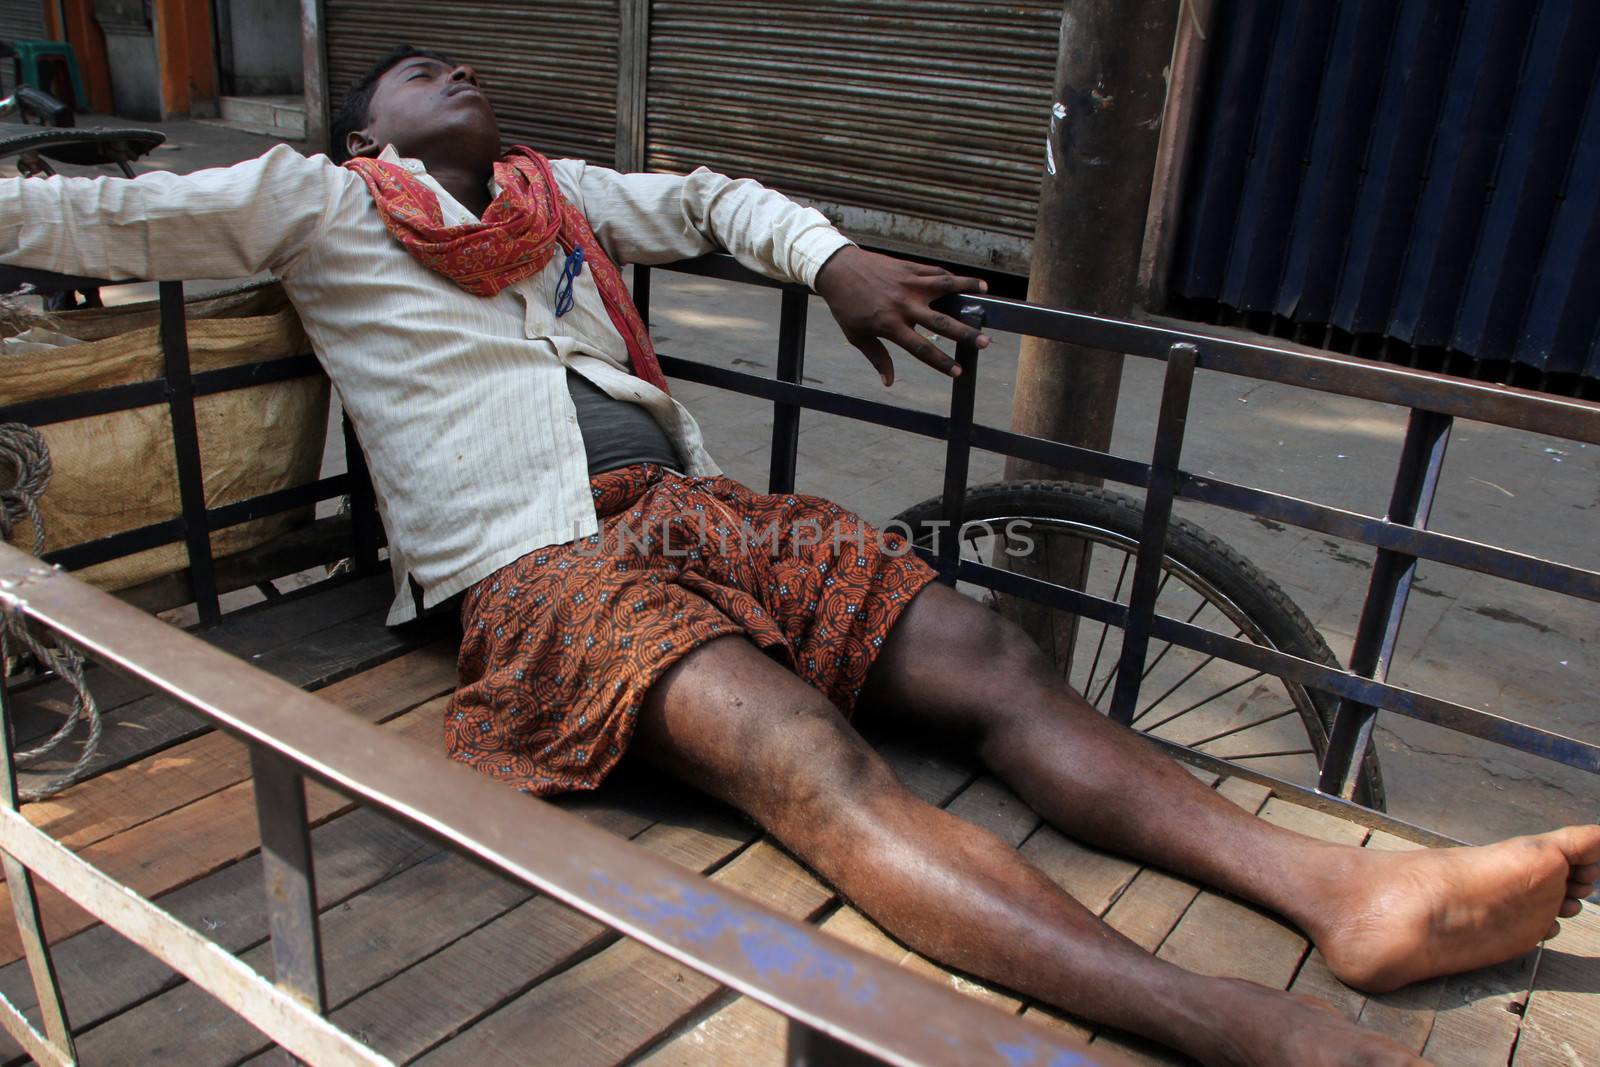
(617, 433)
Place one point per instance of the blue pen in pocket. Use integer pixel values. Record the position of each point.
(569, 274)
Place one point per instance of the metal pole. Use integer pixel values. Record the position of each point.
(791, 368)
(314, 58)
(25, 898)
(633, 59)
(1164, 461)
(1100, 152)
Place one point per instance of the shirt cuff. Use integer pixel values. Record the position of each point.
(816, 247)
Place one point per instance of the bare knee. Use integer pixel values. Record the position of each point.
(820, 775)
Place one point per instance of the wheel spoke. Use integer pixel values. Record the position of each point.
(1201, 703)
(1242, 728)
(1167, 647)
(1105, 629)
(1268, 755)
(1173, 688)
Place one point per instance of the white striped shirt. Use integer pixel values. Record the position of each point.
(460, 402)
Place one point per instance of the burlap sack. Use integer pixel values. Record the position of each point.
(117, 472)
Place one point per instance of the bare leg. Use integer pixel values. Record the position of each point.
(728, 719)
(1382, 920)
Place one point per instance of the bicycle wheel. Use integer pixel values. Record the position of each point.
(1216, 707)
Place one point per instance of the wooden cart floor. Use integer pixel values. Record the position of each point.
(432, 958)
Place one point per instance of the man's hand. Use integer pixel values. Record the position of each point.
(877, 298)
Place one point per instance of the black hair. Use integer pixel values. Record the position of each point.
(352, 114)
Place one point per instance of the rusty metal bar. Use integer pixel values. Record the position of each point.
(1327, 372)
(1164, 459)
(25, 908)
(958, 451)
(186, 445)
(289, 878)
(859, 999)
(791, 368)
(1410, 503)
(365, 531)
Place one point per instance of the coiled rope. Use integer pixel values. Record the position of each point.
(24, 474)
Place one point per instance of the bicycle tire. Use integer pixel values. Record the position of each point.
(1189, 549)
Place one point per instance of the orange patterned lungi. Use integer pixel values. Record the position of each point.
(561, 645)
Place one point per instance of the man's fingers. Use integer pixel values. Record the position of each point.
(945, 282)
(954, 329)
(927, 351)
(877, 355)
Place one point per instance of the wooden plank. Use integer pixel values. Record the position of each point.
(245, 633)
(988, 804)
(121, 799)
(746, 1033)
(101, 973)
(658, 994)
(1479, 1014)
(618, 1002)
(419, 1007)
(365, 939)
(395, 913)
(1561, 1026)
(150, 724)
(168, 851)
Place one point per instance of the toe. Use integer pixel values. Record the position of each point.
(1589, 872)
(1555, 929)
(1569, 908)
(1581, 844)
(1579, 890)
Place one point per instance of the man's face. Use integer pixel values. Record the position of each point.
(424, 107)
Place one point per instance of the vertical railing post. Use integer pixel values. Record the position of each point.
(25, 898)
(641, 292)
(363, 502)
(290, 884)
(958, 452)
(186, 447)
(1416, 482)
(1164, 459)
(791, 367)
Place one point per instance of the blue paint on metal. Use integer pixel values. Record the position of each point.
(1033, 1054)
(775, 949)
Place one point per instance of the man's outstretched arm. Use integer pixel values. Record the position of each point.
(224, 223)
(658, 218)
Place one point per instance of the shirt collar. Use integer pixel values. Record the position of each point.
(389, 155)
(414, 166)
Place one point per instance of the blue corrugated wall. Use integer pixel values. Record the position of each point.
(1426, 171)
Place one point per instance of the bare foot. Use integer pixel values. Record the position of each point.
(1394, 918)
(1263, 1027)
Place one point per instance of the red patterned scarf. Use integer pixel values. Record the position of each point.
(515, 239)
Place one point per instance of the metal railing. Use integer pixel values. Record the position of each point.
(841, 1001)
(1401, 537)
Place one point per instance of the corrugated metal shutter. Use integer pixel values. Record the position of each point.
(1416, 180)
(918, 125)
(550, 69)
(20, 20)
